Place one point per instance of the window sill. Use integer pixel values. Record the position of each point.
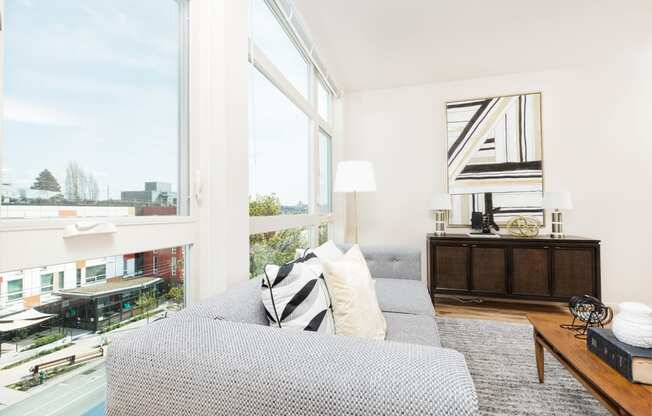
(13, 225)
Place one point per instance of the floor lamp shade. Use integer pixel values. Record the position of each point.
(355, 176)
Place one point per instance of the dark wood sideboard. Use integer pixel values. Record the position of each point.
(538, 268)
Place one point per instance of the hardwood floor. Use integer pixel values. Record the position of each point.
(494, 310)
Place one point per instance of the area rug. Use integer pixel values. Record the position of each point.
(500, 357)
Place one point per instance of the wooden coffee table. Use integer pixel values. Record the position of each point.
(614, 391)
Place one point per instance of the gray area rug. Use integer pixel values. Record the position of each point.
(500, 357)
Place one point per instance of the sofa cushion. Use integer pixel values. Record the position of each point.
(391, 262)
(404, 296)
(412, 329)
(240, 303)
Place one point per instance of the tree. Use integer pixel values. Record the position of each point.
(80, 186)
(276, 247)
(73, 182)
(45, 181)
(175, 294)
(145, 302)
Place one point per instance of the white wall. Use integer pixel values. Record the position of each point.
(597, 140)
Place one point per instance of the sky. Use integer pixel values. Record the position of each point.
(94, 82)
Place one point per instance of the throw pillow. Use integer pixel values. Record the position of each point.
(295, 297)
(353, 295)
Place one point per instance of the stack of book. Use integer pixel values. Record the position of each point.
(634, 363)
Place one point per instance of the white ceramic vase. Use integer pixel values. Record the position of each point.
(633, 324)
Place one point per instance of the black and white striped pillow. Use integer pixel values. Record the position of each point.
(295, 296)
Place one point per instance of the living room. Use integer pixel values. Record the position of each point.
(344, 207)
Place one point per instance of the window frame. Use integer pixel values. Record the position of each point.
(310, 106)
(135, 233)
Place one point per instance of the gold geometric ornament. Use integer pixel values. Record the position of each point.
(523, 226)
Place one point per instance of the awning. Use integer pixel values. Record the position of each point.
(23, 319)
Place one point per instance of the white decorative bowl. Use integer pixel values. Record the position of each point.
(633, 324)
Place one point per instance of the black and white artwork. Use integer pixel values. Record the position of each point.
(495, 146)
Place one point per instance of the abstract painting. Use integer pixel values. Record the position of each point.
(495, 146)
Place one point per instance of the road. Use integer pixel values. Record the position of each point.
(83, 395)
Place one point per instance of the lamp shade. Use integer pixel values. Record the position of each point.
(440, 201)
(557, 200)
(355, 176)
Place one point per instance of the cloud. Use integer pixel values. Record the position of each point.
(24, 112)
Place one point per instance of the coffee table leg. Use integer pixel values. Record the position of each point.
(538, 353)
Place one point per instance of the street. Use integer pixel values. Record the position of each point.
(74, 396)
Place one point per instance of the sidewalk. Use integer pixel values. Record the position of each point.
(11, 356)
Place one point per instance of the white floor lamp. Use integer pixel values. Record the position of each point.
(355, 176)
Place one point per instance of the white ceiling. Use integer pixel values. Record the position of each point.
(371, 44)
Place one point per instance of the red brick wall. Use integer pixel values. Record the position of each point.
(164, 269)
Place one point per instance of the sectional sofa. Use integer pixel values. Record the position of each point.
(220, 357)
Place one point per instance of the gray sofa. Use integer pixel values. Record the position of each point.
(220, 357)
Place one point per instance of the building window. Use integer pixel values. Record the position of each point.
(116, 89)
(95, 273)
(325, 173)
(324, 100)
(61, 280)
(15, 290)
(291, 133)
(78, 282)
(47, 283)
(273, 40)
(155, 264)
(279, 153)
(173, 265)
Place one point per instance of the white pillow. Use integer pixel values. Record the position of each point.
(353, 296)
(295, 297)
(327, 252)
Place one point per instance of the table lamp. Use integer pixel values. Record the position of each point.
(355, 176)
(557, 201)
(440, 204)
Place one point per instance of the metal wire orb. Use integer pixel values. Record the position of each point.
(523, 226)
(593, 313)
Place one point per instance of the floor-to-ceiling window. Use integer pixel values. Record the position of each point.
(94, 176)
(290, 149)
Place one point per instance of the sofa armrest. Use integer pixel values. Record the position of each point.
(391, 262)
(212, 367)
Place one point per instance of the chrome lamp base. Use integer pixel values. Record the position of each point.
(557, 225)
(440, 222)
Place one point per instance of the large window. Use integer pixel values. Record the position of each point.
(93, 140)
(290, 155)
(92, 115)
(272, 39)
(325, 173)
(279, 149)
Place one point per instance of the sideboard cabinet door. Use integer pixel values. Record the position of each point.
(530, 271)
(451, 264)
(574, 271)
(488, 269)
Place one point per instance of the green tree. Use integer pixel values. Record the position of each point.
(145, 302)
(276, 247)
(175, 294)
(45, 181)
